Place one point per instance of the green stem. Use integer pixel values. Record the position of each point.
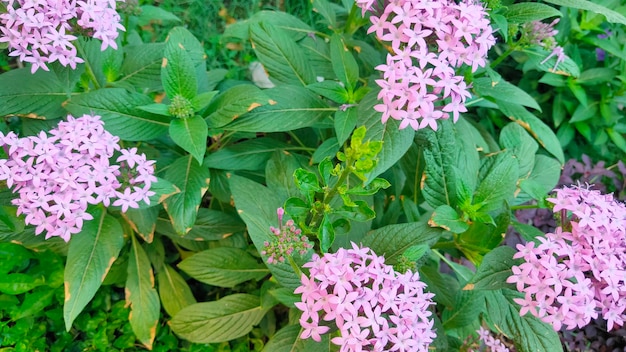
(330, 194)
(504, 55)
(295, 266)
(529, 206)
(451, 265)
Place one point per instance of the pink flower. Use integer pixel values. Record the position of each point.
(36, 31)
(573, 276)
(289, 239)
(374, 307)
(58, 175)
(428, 40)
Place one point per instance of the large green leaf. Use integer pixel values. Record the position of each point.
(537, 128)
(295, 107)
(611, 16)
(193, 181)
(223, 267)
(504, 91)
(257, 206)
(39, 95)
(142, 66)
(174, 291)
(283, 59)
(529, 333)
(345, 122)
(392, 240)
(467, 308)
(90, 256)
(251, 154)
(440, 182)
(529, 11)
(190, 134)
(292, 25)
(500, 175)
(396, 142)
(494, 270)
(288, 339)
(143, 221)
(516, 139)
(141, 295)
(120, 113)
(344, 64)
(234, 102)
(178, 70)
(223, 320)
(210, 225)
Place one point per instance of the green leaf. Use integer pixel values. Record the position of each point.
(440, 183)
(223, 267)
(327, 150)
(585, 112)
(156, 15)
(162, 189)
(499, 182)
(292, 25)
(202, 100)
(543, 178)
(190, 134)
(143, 221)
(141, 295)
(504, 91)
(529, 333)
(444, 286)
(251, 154)
(332, 90)
(344, 64)
(178, 71)
(174, 291)
(219, 321)
(39, 95)
(529, 11)
(282, 58)
(537, 60)
(396, 142)
(288, 339)
(514, 138)
(596, 75)
(467, 308)
(325, 9)
(537, 128)
(611, 16)
(120, 112)
(393, 240)
(494, 270)
(90, 256)
(257, 206)
(448, 219)
(345, 122)
(295, 107)
(528, 232)
(193, 181)
(142, 66)
(234, 102)
(210, 225)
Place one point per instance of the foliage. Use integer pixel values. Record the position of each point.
(263, 109)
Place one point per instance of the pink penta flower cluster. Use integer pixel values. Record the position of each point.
(428, 41)
(374, 307)
(578, 272)
(57, 175)
(543, 34)
(489, 343)
(289, 239)
(41, 31)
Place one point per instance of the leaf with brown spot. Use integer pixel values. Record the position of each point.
(89, 258)
(142, 295)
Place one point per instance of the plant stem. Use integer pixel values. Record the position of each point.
(504, 55)
(529, 206)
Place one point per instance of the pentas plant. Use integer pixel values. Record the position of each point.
(429, 40)
(289, 240)
(489, 343)
(543, 34)
(57, 175)
(373, 307)
(42, 32)
(578, 272)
